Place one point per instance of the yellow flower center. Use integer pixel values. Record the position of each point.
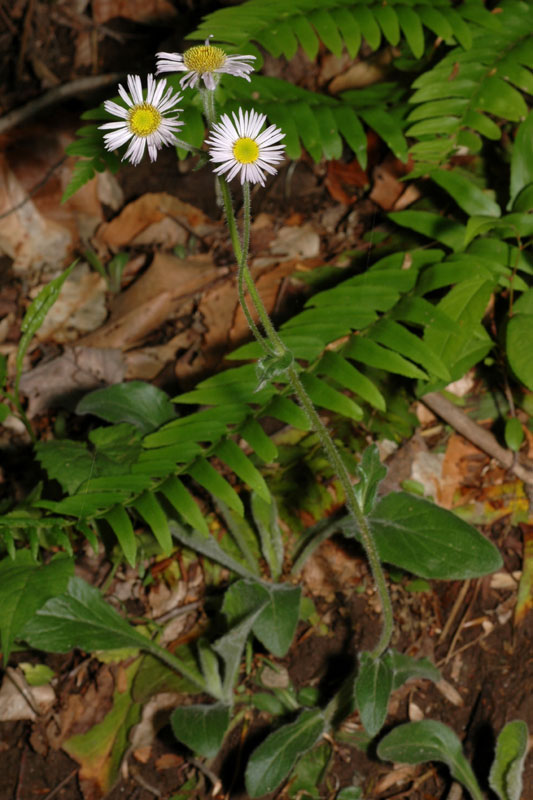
(204, 58)
(245, 150)
(144, 119)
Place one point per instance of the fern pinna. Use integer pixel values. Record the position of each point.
(370, 320)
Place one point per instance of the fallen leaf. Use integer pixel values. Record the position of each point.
(79, 308)
(100, 750)
(136, 10)
(152, 208)
(65, 379)
(14, 706)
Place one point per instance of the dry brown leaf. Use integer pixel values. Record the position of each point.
(454, 468)
(168, 761)
(151, 208)
(363, 73)
(137, 10)
(79, 308)
(399, 775)
(450, 693)
(158, 294)
(13, 705)
(64, 380)
(146, 363)
(296, 242)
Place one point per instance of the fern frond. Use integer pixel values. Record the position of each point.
(280, 28)
(457, 100)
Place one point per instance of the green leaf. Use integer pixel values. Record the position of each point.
(176, 493)
(373, 687)
(434, 226)
(501, 99)
(265, 516)
(397, 337)
(136, 402)
(120, 522)
(325, 396)
(521, 160)
(243, 535)
(466, 194)
(202, 728)
(335, 366)
(370, 472)
(276, 624)
(360, 348)
(429, 740)
(429, 541)
(207, 476)
(152, 513)
(230, 647)
(209, 547)
(233, 456)
(258, 440)
(388, 129)
(65, 461)
(519, 346)
(80, 618)
(272, 761)
(35, 316)
(514, 434)
(25, 586)
(506, 772)
(285, 410)
(405, 667)
(412, 29)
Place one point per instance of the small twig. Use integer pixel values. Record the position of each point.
(476, 434)
(215, 780)
(455, 610)
(57, 95)
(20, 684)
(458, 632)
(137, 777)
(24, 41)
(59, 786)
(177, 612)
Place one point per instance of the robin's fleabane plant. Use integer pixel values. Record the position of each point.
(146, 121)
(204, 62)
(240, 147)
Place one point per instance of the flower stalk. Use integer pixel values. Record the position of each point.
(275, 344)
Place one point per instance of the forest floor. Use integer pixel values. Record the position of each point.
(166, 218)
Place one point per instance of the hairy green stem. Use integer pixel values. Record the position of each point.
(306, 403)
(367, 539)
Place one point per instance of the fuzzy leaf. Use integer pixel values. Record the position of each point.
(506, 772)
(25, 586)
(271, 762)
(201, 727)
(373, 687)
(141, 404)
(429, 541)
(429, 740)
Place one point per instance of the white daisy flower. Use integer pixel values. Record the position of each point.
(240, 147)
(144, 120)
(204, 61)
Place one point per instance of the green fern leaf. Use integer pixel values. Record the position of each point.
(261, 444)
(178, 496)
(453, 99)
(206, 475)
(121, 525)
(232, 455)
(325, 396)
(152, 513)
